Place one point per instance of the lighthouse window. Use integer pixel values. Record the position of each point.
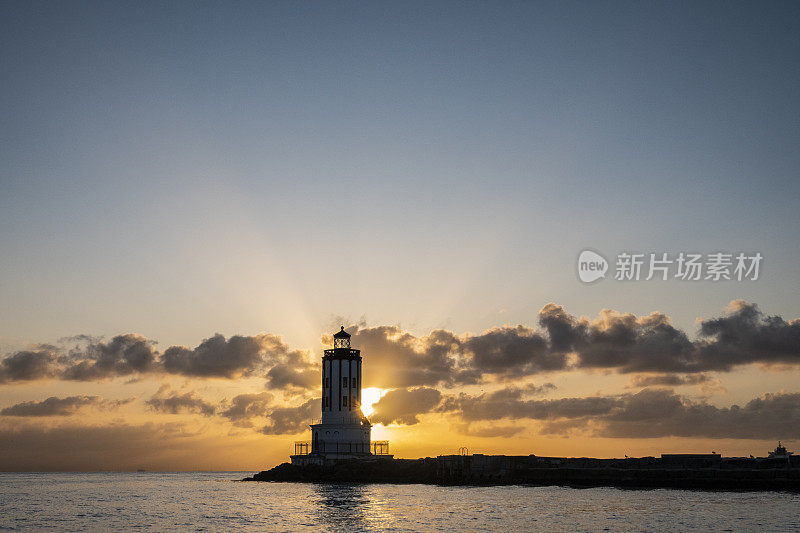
(344, 382)
(354, 383)
(344, 400)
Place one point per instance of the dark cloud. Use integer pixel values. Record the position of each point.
(745, 336)
(671, 380)
(92, 359)
(244, 407)
(650, 343)
(173, 402)
(242, 411)
(399, 359)
(54, 406)
(661, 413)
(562, 328)
(241, 356)
(511, 403)
(291, 420)
(218, 357)
(30, 365)
(615, 341)
(405, 405)
(122, 356)
(620, 341)
(649, 413)
(510, 351)
(290, 377)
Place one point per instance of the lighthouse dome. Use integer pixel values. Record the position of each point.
(341, 334)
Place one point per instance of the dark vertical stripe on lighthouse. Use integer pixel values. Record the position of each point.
(339, 385)
(330, 393)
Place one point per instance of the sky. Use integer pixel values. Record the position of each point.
(193, 195)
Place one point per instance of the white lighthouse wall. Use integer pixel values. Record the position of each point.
(341, 380)
(343, 430)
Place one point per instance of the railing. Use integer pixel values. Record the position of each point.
(341, 447)
(302, 447)
(377, 447)
(338, 351)
(380, 447)
(353, 417)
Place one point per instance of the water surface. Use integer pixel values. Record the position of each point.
(212, 501)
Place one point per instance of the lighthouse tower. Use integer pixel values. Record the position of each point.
(343, 432)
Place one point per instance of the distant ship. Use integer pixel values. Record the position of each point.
(780, 452)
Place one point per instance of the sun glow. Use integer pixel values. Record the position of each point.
(369, 397)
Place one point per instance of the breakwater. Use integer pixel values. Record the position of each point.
(710, 472)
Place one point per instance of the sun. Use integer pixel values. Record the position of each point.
(369, 397)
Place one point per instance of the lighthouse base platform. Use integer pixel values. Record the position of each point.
(329, 459)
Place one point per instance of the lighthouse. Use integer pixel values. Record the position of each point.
(343, 432)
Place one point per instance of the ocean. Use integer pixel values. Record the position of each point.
(215, 501)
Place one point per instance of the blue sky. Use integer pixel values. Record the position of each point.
(178, 169)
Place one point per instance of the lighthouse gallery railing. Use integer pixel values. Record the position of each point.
(376, 447)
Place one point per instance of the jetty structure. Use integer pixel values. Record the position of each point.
(343, 432)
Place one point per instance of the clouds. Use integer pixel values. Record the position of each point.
(244, 410)
(29, 365)
(122, 356)
(399, 359)
(404, 405)
(627, 343)
(290, 420)
(513, 403)
(292, 377)
(620, 342)
(423, 371)
(253, 410)
(672, 380)
(91, 359)
(661, 413)
(649, 413)
(54, 406)
(745, 336)
(510, 351)
(245, 407)
(218, 357)
(165, 401)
